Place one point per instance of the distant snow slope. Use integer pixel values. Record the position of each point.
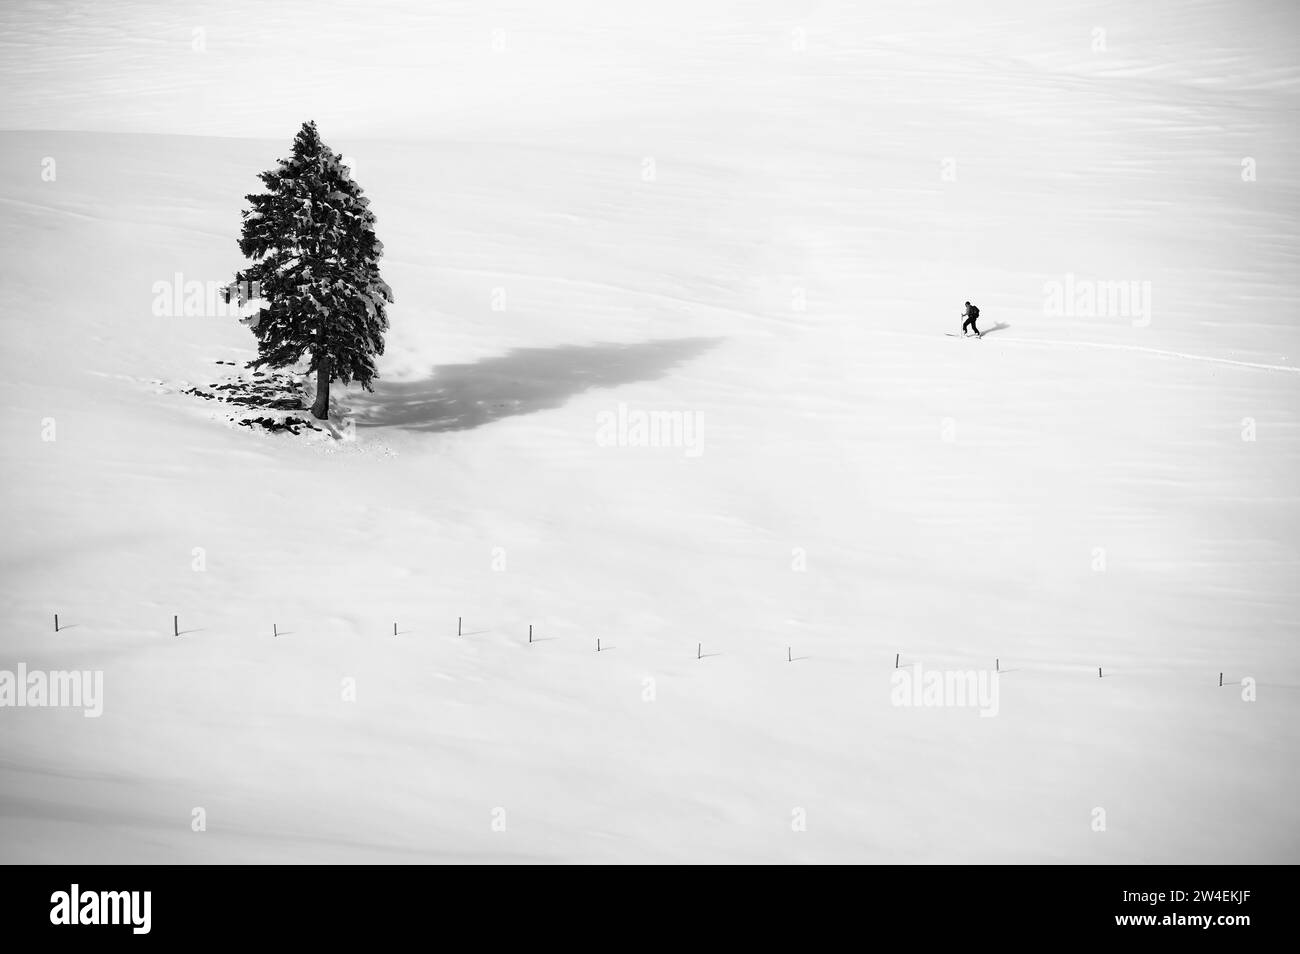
(760, 217)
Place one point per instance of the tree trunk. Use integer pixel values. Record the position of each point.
(321, 409)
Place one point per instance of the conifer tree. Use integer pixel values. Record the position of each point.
(315, 270)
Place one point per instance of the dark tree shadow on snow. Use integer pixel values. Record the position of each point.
(457, 397)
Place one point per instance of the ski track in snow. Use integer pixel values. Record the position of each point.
(1142, 349)
(1031, 342)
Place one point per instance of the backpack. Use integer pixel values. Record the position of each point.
(973, 313)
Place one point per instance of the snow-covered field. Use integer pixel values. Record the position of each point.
(761, 217)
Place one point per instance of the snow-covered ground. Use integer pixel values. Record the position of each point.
(761, 216)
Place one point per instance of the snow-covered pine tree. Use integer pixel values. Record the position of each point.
(315, 270)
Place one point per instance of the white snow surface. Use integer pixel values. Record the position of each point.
(764, 215)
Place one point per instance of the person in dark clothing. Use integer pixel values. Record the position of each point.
(970, 313)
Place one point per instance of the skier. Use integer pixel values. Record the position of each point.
(970, 313)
